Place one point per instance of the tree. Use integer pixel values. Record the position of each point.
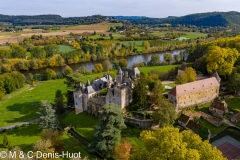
(123, 63)
(107, 66)
(51, 49)
(6, 141)
(156, 94)
(38, 52)
(98, 68)
(48, 118)
(234, 83)
(53, 135)
(49, 74)
(191, 74)
(155, 60)
(59, 104)
(165, 115)
(18, 51)
(177, 58)
(168, 58)
(169, 143)
(139, 93)
(108, 131)
(146, 45)
(221, 60)
(188, 75)
(67, 70)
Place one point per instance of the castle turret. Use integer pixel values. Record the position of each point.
(88, 83)
(119, 76)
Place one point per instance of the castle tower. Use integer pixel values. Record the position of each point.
(119, 76)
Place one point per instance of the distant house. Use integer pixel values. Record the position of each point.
(218, 108)
(236, 117)
(183, 120)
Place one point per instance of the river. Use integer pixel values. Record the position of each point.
(90, 65)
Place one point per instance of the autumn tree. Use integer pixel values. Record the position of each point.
(146, 45)
(49, 74)
(123, 63)
(188, 75)
(38, 52)
(98, 68)
(108, 131)
(67, 70)
(169, 143)
(123, 150)
(165, 115)
(51, 49)
(107, 66)
(168, 58)
(221, 60)
(155, 60)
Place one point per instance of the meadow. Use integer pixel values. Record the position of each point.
(147, 69)
(65, 48)
(234, 103)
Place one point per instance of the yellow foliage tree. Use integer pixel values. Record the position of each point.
(169, 143)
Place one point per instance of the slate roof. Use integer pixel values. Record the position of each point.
(183, 67)
(193, 126)
(184, 118)
(236, 116)
(192, 87)
(215, 74)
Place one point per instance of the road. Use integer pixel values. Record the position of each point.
(19, 124)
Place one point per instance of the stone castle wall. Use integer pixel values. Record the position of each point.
(144, 124)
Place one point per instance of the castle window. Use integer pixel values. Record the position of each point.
(189, 96)
(76, 103)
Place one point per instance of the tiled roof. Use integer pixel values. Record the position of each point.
(184, 118)
(236, 116)
(220, 105)
(193, 126)
(194, 86)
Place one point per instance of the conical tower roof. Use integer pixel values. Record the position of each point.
(119, 71)
(88, 83)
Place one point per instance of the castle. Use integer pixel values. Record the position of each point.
(88, 98)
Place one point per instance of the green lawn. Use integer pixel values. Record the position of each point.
(65, 48)
(23, 104)
(147, 69)
(213, 129)
(234, 103)
(194, 35)
(83, 123)
(132, 135)
(24, 136)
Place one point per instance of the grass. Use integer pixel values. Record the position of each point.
(24, 136)
(23, 104)
(65, 48)
(83, 123)
(72, 146)
(132, 135)
(194, 35)
(213, 129)
(234, 103)
(166, 68)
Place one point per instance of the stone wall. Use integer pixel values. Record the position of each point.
(143, 124)
(196, 98)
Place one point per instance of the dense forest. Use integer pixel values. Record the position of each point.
(200, 19)
(50, 20)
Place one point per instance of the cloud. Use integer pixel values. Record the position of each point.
(151, 8)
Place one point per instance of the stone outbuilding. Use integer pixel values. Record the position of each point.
(218, 108)
(183, 120)
(236, 117)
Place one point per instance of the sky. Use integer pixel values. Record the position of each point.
(149, 8)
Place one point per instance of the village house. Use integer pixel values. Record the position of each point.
(218, 108)
(236, 117)
(183, 120)
(194, 93)
(87, 98)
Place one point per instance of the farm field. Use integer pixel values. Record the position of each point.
(138, 44)
(191, 35)
(65, 48)
(147, 69)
